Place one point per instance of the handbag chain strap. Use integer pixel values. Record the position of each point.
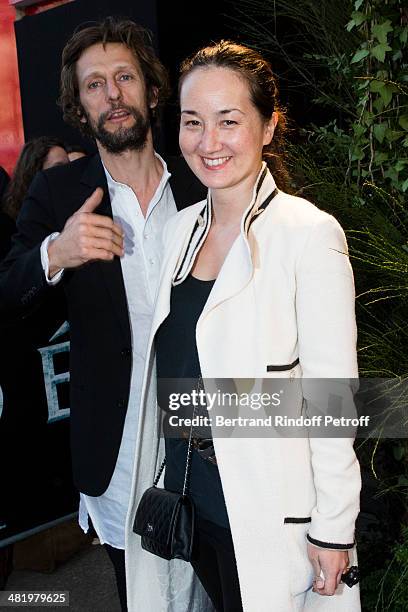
(159, 473)
(189, 451)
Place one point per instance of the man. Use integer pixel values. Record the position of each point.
(94, 225)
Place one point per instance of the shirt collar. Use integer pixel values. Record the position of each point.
(163, 181)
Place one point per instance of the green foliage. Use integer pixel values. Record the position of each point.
(388, 589)
(379, 67)
(357, 67)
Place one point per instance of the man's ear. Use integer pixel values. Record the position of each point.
(153, 97)
(81, 115)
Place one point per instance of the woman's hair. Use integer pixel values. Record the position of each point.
(31, 160)
(75, 148)
(111, 30)
(257, 72)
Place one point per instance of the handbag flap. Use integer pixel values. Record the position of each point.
(156, 513)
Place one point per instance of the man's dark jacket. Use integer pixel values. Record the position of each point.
(101, 351)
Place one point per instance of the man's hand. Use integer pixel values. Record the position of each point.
(332, 563)
(86, 237)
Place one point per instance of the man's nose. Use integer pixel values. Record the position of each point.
(113, 91)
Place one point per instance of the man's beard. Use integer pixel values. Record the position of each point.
(124, 138)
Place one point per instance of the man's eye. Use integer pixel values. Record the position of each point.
(125, 77)
(229, 122)
(94, 85)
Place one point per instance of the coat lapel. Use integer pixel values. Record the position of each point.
(233, 277)
(111, 272)
(237, 269)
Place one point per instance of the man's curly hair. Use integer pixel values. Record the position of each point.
(111, 30)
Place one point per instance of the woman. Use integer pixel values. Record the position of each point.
(75, 152)
(37, 154)
(256, 283)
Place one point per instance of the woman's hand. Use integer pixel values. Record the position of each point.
(332, 563)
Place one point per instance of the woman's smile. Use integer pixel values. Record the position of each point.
(215, 163)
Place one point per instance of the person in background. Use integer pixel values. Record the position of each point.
(37, 154)
(255, 284)
(75, 152)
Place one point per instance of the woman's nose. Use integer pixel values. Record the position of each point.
(210, 141)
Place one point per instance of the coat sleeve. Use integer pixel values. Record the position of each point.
(327, 349)
(22, 280)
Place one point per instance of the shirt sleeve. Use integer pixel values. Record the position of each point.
(45, 261)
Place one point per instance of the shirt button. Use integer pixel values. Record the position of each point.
(145, 236)
(151, 261)
(125, 352)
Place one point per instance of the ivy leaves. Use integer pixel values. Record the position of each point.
(380, 31)
(359, 55)
(380, 50)
(377, 45)
(380, 135)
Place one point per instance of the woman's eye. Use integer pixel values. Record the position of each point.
(192, 123)
(229, 122)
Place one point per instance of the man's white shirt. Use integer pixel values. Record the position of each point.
(140, 269)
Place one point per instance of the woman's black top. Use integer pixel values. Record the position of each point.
(177, 358)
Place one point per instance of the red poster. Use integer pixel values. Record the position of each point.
(11, 124)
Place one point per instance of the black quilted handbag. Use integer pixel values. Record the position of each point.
(165, 520)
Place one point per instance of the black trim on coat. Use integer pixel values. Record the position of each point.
(282, 368)
(257, 189)
(296, 519)
(262, 207)
(204, 210)
(329, 544)
(195, 228)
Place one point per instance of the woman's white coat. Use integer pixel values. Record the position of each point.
(285, 291)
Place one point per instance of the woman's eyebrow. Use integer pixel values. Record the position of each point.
(221, 112)
(229, 110)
